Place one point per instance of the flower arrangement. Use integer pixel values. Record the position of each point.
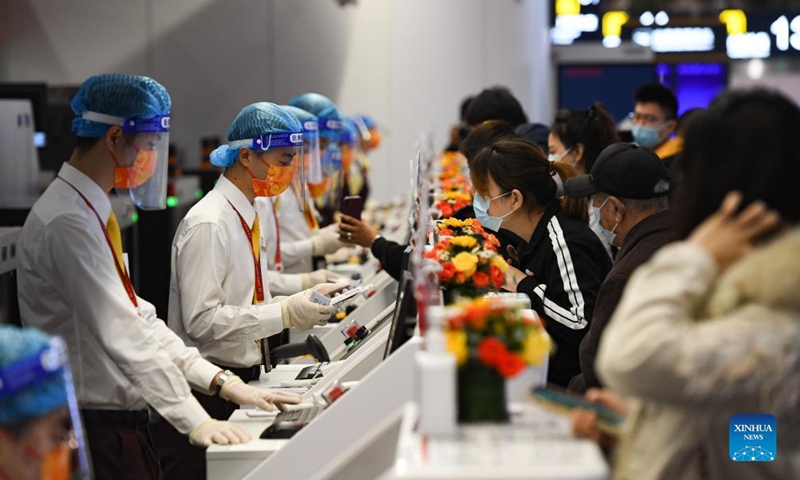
(451, 201)
(470, 266)
(492, 341)
(501, 337)
(454, 227)
(457, 183)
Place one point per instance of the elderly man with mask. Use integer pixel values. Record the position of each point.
(628, 186)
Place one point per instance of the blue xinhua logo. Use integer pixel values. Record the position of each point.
(752, 438)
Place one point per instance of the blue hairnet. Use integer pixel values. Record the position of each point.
(316, 104)
(260, 118)
(38, 399)
(368, 121)
(301, 114)
(118, 95)
(349, 132)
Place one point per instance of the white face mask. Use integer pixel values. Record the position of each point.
(608, 235)
(556, 157)
(481, 205)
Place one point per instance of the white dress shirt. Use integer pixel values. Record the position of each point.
(213, 280)
(296, 246)
(69, 286)
(280, 282)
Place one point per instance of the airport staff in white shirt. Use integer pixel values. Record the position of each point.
(289, 248)
(219, 294)
(73, 282)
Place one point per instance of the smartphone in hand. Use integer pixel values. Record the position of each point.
(352, 206)
(559, 401)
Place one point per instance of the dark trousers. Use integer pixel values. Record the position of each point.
(179, 459)
(121, 451)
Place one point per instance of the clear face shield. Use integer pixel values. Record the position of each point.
(142, 171)
(144, 175)
(350, 143)
(282, 155)
(311, 152)
(370, 135)
(50, 446)
(310, 168)
(330, 156)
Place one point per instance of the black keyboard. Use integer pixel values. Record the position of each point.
(286, 424)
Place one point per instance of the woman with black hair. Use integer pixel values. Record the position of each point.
(563, 261)
(576, 139)
(578, 136)
(710, 327)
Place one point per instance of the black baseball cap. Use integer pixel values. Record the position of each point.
(624, 170)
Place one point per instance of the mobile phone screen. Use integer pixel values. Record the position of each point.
(352, 206)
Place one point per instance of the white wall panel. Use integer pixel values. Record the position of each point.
(408, 63)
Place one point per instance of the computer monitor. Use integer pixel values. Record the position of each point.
(404, 319)
(36, 93)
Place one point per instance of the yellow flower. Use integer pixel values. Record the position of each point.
(457, 345)
(451, 223)
(464, 241)
(499, 262)
(457, 196)
(465, 263)
(536, 348)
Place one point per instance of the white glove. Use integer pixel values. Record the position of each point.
(326, 241)
(327, 288)
(319, 276)
(343, 254)
(235, 390)
(300, 312)
(214, 431)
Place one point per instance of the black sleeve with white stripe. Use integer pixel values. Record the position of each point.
(564, 290)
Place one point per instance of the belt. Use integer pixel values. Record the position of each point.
(125, 418)
(246, 374)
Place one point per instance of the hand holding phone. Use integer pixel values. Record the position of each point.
(352, 206)
(559, 401)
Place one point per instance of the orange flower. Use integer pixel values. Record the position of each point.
(509, 365)
(446, 231)
(456, 323)
(477, 322)
(491, 351)
(481, 280)
(447, 210)
(447, 273)
(461, 277)
(497, 275)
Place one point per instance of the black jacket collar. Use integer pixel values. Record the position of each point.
(540, 232)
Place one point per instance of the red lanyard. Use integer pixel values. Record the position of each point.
(126, 281)
(278, 263)
(249, 233)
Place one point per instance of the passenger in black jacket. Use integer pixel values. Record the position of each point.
(628, 187)
(563, 262)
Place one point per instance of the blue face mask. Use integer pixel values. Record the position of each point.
(481, 206)
(646, 136)
(610, 236)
